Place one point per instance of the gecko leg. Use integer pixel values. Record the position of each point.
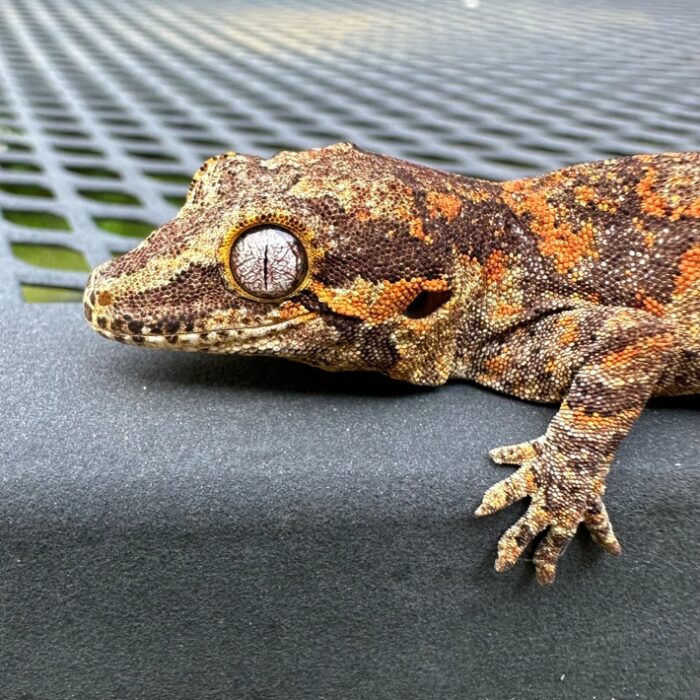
(563, 472)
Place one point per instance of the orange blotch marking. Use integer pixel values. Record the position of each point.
(467, 260)
(621, 359)
(495, 267)
(498, 365)
(557, 238)
(569, 330)
(515, 185)
(476, 196)
(584, 194)
(688, 270)
(551, 365)
(506, 310)
(653, 306)
(565, 245)
(691, 210)
(415, 228)
(375, 302)
(651, 201)
(607, 205)
(581, 420)
(291, 309)
(443, 204)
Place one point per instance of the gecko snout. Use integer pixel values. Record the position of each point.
(98, 299)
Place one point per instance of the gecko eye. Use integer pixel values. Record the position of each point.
(268, 262)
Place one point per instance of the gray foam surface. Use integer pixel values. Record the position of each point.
(185, 526)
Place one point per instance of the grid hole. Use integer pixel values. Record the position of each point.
(109, 196)
(15, 147)
(10, 131)
(134, 228)
(36, 219)
(431, 158)
(20, 166)
(153, 155)
(78, 150)
(26, 189)
(543, 148)
(39, 294)
(207, 143)
(50, 256)
(94, 172)
(61, 117)
(177, 178)
(514, 164)
(275, 146)
(66, 133)
(135, 138)
(120, 121)
(175, 199)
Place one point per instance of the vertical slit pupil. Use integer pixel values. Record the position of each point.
(265, 263)
(268, 262)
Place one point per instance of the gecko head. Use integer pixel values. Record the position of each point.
(334, 256)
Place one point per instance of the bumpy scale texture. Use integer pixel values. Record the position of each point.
(580, 287)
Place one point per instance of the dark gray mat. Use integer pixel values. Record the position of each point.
(181, 526)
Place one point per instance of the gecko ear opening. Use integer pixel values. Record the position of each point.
(426, 303)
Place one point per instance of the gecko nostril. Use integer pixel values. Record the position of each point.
(104, 298)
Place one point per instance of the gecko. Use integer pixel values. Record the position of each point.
(580, 287)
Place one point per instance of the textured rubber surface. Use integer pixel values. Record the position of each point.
(174, 526)
(113, 97)
(185, 526)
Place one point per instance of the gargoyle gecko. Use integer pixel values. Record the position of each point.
(580, 287)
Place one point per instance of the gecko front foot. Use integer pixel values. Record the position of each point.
(562, 496)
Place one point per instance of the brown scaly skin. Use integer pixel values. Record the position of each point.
(580, 287)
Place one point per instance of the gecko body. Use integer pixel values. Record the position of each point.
(580, 287)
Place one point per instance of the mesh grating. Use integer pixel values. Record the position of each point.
(107, 108)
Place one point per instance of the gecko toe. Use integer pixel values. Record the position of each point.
(518, 485)
(518, 537)
(548, 552)
(516, 454)
(598, 523)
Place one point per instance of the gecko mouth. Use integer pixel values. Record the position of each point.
(244, 338)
